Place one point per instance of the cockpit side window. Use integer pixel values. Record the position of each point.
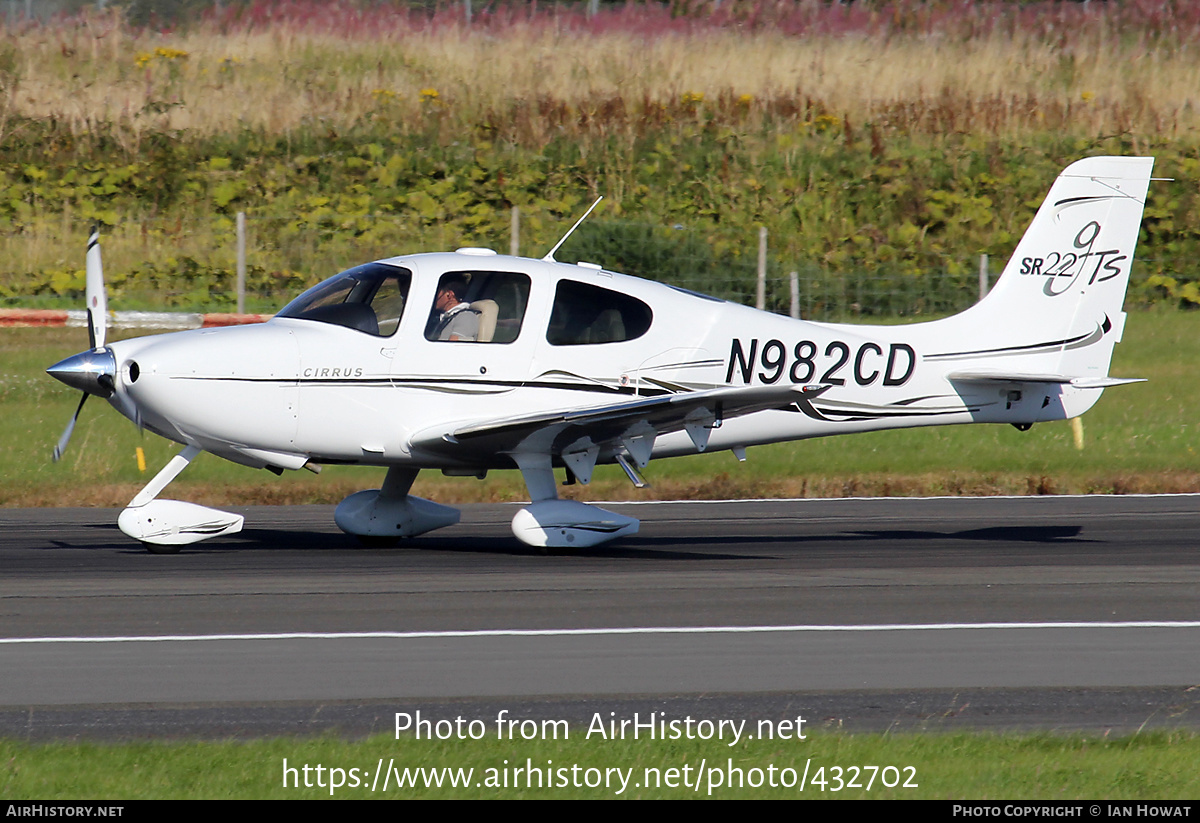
(585, 314)
(478, 307)
(369, 298)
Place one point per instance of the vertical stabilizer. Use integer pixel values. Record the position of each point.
(1057, 307)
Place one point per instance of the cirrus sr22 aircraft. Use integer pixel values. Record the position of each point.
(553, 365)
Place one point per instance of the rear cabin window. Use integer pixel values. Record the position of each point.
(478, 307)
(585, 314)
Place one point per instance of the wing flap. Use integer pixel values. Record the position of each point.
(557, 431)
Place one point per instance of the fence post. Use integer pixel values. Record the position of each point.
(514, 237)
(241, 262)
(983, 276)
(467, 10)
(794, 277)
(761, 299)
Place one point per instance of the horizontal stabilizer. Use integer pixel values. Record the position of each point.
(1104, 382)
(1028, 377)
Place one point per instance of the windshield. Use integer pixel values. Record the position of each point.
(368, 298)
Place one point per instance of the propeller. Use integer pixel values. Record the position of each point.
(97, 300)
(93, 371)
(66, 435)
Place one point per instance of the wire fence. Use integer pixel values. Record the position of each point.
(194, 265)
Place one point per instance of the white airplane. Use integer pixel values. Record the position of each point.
(472, 361)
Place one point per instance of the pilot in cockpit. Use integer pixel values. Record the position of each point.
(452, 318)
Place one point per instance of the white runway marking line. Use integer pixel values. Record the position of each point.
(886, 627)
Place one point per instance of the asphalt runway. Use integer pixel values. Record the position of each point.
(1048, 612)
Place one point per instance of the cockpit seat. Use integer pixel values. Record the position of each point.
(487, 309)
(607, 327)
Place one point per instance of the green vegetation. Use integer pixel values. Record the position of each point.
(945, 766)
(1139, 438)
(356, 131)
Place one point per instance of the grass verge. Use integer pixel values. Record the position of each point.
(953, 766)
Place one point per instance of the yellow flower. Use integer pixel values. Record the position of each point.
(429, 95)
(143, 59)
(170, 53)
(691, 98)
(1088, 96)
(826, 122)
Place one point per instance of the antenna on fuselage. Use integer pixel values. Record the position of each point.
(549, 258)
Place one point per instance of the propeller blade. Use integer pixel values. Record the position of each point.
(66, 435)
(93, 371)
(97, 300)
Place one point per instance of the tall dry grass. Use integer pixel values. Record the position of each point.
(281, 68)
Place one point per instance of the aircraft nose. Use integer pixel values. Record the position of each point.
(93, 372)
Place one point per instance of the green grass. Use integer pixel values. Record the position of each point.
(945, 766)
(1141, 437)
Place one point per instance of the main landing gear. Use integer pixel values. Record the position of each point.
(384, 516)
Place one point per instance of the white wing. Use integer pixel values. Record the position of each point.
(580, 435)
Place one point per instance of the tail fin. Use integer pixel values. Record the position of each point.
(1056, 309)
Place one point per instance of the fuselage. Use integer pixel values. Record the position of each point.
(353, 371)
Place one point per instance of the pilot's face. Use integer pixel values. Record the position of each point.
(445, 300)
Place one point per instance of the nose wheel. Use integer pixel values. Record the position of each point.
(162, 526)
